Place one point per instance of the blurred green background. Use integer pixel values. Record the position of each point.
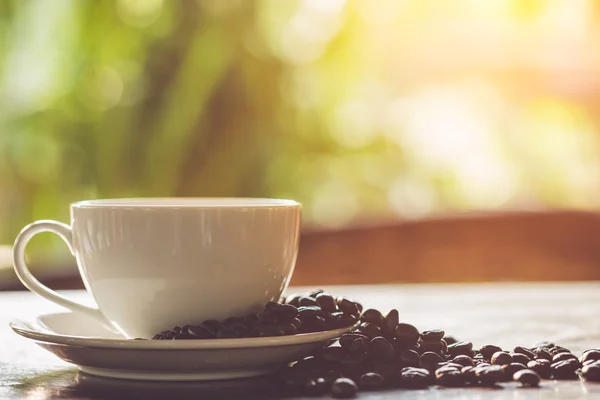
(362, 110)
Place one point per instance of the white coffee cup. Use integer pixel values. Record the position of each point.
(151, 264)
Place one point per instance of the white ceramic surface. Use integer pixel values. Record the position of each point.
(152, 264)
(83, 341)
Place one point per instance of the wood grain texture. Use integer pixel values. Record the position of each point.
(503, 314)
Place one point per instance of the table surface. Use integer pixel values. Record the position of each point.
(505, 314)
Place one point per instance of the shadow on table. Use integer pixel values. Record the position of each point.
(72, 384)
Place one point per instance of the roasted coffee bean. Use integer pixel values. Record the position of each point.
(591, 372)
(541, 352)
(332, 354)
(490, 376)
(541, 366)
(431, 357)
(326, 302)
(316, 386)
(211, 325)
(527, 378)
(559, 349)
(590, 355)
(380, 348)
(158, 336)
(409, 358)
(371, 381)
(501, 358)
(177, 330)
(449, 340)
(435, 346)
(407, 333)
(449, 377)
(270, 330)
(309, 311)
(372, 316)
(390, 322)
(293, 299)
(343, 388)
(510, 369)
(563, 356)
(283, 312)
(346, 320)
(227, 333)
(458, 348)
(520, 358)
(347, 339)
(433, 334)
(355, 357)
(307, 301)
(348, 307)
(370, 330)
(199, 332)
(306, 364)
(288, 329)
(565, 369)
(415, 378)
(463, 360)
(525, 351)
(489, 350)
(468, 374)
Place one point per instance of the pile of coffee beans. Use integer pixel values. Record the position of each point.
(385, 353)
(299, 313)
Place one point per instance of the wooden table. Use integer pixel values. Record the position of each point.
(503, 314)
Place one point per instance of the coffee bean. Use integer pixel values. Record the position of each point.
(449, 377)
(211, 325)
(347, 339)
(431, 357)
(316, 386)
(346, 320)
(343, 388)
(449, 340)
(590, 355)
(380, 348)
(458, 348)
(490, 376)
(415, 378)
(409, 358)
(307, 301)
(407, 333)
(523, 350)
(565, 369)
(520, 358)
(332, 354)
(309, 311)
(293, 299)
(541, 366)
(288, 329)
(355, 357)
(326, 302)
(510, 369)
(559, 349)
(227, 333)
(271, 330)
(390, 322)
(501, 358)
(489, 350)
(433, 334)
(563, 356)
(284, 312)
(372, 316)
(200, 332)
(541, 352)
(437, 346)
(370, 381)
(347, 306)
(463, 360)
(370, 330)
(527, 378)
(591, 372)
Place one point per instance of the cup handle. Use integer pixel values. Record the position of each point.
(64, 231)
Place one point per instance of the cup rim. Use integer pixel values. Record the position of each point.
(187, 202)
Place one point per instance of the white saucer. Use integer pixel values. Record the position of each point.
(82, 341)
